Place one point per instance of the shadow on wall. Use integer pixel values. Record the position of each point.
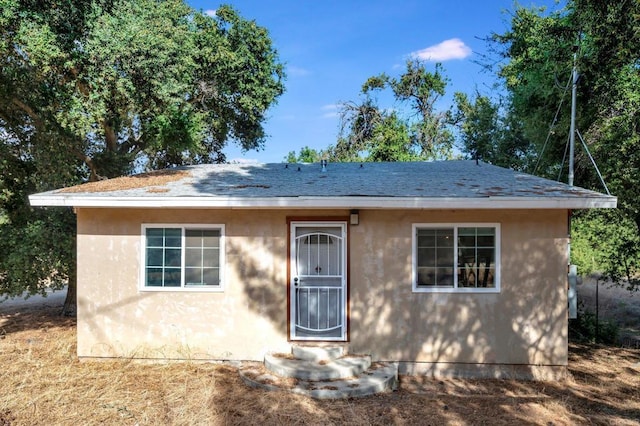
(527, 317)
(522, 326)
(110, 315)
(492, 328)
(259, 263)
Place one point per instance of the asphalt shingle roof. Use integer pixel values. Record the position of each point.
(444, 180)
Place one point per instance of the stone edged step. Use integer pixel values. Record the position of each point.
(381, 377)
(317, 353)
(340, 368)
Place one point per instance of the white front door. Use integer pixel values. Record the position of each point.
(318, 281)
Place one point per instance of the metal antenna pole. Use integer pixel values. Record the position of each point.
(572, 137)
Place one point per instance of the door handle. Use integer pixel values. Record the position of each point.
(295, 282)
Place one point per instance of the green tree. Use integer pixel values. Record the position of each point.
(306, 155)
(391, 141)
(489, 133)
(538, 55)
(479, 126)
(420, 90)
(607, 243)
(37, 245)
(358, 122)
(97, 88)
(411, 130)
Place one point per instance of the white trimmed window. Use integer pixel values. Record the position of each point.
(189, 257)
(456, 258)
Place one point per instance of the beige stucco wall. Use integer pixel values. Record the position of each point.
(523, 324)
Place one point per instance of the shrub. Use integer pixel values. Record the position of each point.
(586, 328)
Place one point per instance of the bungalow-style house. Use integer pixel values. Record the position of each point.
(453, 267)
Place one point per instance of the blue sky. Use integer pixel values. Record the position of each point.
(331, 47)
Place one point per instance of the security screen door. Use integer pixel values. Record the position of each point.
(318, 281)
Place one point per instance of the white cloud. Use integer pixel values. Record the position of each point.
(330, 111)
(297, 71)
(449, 49)
(330, 107)
(210, 12)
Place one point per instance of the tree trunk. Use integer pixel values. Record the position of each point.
(70, 304)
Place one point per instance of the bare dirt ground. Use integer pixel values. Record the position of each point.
(43, 383)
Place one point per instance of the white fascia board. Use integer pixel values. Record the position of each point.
(326, 202)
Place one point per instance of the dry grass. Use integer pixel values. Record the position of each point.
(156, 178)
(42, 383)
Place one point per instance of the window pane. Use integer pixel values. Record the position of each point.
(426, 276)
(466, 241)
(486, 231)
(193, 257)
(467, 277)
(476, 257)
(486, 277)
(486, 268)
(468, 232)
(154, 277)
(426, 238)
(172, 277)
(486, 241)
(444, 257)
(154, 256)
(466, 257)
(485, 257)
(211, 257)
(211, 238)
(192, 240)
(427, 257)
(172, 257)
(212, 276)
(193, 276)
(213, 242)
(444, 277)
(444, 237)
(164, 257)
(155, 237)
(162, 263)
(173, 237)
(202, 238)
(435, 257)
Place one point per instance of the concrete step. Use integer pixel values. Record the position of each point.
(317, 353)
(380, 377)
(347, 366)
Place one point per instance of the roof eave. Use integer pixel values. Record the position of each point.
(304, 202)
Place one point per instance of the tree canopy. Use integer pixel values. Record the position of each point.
(98, 88)
(486, 133)
(410, 130)
(121, 81)
(306, 155)
(537, 55)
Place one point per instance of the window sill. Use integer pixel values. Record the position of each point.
(464, 290)
(182, 289)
